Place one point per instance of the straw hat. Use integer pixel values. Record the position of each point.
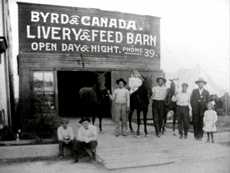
(121, 80)
(200, 80)
(83, 120)
(158, 78)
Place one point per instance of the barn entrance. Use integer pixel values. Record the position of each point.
(69, 84)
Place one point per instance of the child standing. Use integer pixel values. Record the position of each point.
(209, 120)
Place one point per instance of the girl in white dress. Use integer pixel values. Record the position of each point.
(210, 119)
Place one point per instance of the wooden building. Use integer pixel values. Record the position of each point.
(61, 49)
(6, 89)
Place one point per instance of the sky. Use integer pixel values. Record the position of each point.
(193, 32)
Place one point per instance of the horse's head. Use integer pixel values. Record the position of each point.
(146, 85)
(147, 82)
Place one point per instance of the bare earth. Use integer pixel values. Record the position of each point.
(141, 154)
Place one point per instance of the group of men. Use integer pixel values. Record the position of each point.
(85, 142)
(185, 102)
(80, 145)
(196, 103)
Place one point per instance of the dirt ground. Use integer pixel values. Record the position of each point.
(213, 163)
(220, 165)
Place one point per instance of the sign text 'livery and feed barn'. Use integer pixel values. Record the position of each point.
(92, 32)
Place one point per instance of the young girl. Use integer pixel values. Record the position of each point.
(210, 119)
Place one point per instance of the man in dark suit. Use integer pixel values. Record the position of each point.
(199, 100)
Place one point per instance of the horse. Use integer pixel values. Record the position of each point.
(170, 105)
(139, 101)
(89, 103)
(103, 106)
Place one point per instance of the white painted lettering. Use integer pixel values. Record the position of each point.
(34, 16)
(28, 34)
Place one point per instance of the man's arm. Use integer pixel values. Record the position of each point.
(59, 135)
(190, 107)
(93, 135)
(153, 91)
(192, 98)
(128, 99)
(80, 136)
(71, 134)
(113, 95)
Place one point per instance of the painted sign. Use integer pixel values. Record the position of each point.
(91, 32)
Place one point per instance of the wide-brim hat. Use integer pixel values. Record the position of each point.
(200, 80)
(158, 78)
(83, 120)
(121, 80)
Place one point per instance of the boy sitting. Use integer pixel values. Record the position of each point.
(86, 140)
(65, 137)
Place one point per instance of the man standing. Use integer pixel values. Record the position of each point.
(86, 140)
(121, 100)
(182, 110)
(159, 93)
(65, 137)
(199, 100)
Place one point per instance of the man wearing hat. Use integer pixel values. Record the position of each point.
(121, 101)
(182, 99)
(159, 93)
(86, 140)
(199, 100)
(65, 137)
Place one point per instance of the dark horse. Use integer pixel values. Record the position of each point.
(170, 105)
(90, 103)
(139, 101)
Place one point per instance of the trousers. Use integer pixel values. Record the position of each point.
(81, 149)
(120, 118)
(197, 120)
(182, 113)
(62, 145)
(158, 111)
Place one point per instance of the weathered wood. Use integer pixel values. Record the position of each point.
(120, 63)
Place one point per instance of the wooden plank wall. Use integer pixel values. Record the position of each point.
(119, 67)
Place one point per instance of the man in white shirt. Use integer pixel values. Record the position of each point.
(65, 137)
(86, 140)
(182, 110)
(159, 94)
(121, 101)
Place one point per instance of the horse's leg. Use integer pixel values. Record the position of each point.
(164, 122)
(174, 120)
(163, 125)
(130, 119)
(155, 117)
(93, 119)
(100, 121)
(145, 111)
(138, 121)
(93, 113)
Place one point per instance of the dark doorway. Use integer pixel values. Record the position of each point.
(69, 84)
